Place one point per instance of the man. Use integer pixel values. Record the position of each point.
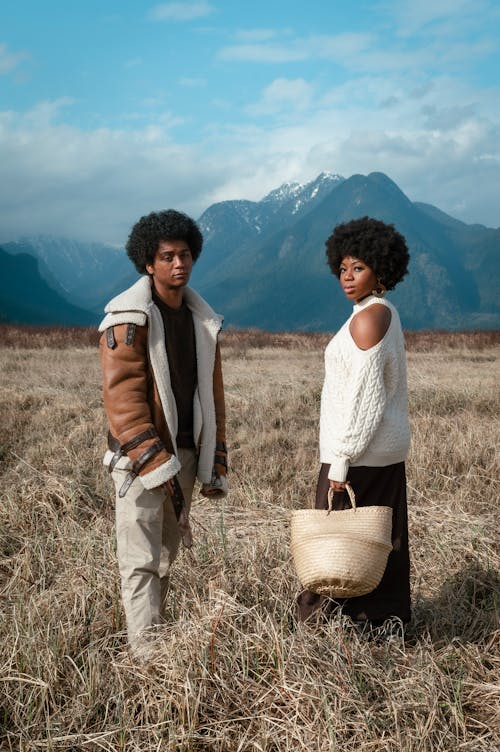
(164, 398)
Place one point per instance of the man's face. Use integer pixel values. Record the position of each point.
(172, 265)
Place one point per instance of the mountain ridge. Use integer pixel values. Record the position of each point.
(441, 299)
(43, 305)
(263, 262)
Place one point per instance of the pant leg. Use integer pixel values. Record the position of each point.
(170, 539)
(139, 518)
(147, 537)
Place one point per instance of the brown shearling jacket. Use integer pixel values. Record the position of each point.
(136, 397)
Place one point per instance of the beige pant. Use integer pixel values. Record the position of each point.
(147, 542)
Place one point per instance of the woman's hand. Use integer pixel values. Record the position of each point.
(337, 486)
(210, 490)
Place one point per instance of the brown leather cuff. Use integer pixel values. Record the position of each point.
(138, 465)
(121, 449)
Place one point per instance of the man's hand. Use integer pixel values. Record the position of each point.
(169, 486)
(214, 489)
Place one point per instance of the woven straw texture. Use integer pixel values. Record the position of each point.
(341, 554)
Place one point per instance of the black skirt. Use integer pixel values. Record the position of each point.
(373, 486)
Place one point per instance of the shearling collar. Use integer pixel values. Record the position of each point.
(135, 298)
(138, 299)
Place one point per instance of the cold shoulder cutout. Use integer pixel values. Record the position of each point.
(370, 325)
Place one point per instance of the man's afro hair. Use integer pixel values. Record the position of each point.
(152, 229)
(377, 244)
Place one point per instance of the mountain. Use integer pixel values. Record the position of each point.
(244, 225)
(479, 246)
(263, 262)
(26, 298)
(278, 279)
(86, 274)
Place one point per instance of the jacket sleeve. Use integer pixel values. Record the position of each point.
(125, 373)
(343, 440)
(220, 416)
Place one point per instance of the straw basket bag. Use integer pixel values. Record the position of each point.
(341, 554)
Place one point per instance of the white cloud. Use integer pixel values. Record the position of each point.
(412, 18)
(133, 62)
(263, 53)
(426, 36)
(336, 47)
(180, 11)
(192, 82)
(355, 53)
(45, 112)
(10, 60)
(256, 35)
(437, 151)
(93, 185)
(283, 93)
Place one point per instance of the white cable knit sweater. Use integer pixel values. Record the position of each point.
(364, 403)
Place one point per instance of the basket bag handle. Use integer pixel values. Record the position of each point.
(352, 497)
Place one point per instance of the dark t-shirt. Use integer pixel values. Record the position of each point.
(181, 350)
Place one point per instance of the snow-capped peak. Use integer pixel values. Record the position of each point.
(283, 193)
(300, 194)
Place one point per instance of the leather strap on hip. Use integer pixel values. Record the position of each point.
(177, 497)
(179, 505)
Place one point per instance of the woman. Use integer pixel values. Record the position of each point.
(364, 429)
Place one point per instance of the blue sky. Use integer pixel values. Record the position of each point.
(112, 108)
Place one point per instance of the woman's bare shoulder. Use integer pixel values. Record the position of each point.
(369, 326)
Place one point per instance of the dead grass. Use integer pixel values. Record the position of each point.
(232, 673)
(61, 337)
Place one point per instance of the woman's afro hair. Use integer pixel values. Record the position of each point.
(375, 243)
(152, 229)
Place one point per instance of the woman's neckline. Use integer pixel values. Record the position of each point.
(366, 300)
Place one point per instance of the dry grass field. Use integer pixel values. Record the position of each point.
(233, 673)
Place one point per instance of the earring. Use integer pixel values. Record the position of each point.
(380, 290)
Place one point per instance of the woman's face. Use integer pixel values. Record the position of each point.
(357, 278)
